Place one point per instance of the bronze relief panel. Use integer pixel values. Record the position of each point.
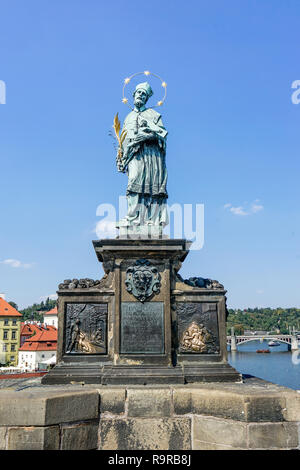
(197, 325)
(86, 328)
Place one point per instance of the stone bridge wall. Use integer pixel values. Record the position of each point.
(252, 415)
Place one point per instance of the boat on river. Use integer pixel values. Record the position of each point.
(263, 351)
(273, 343)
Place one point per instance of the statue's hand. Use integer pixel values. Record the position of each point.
(120, 165)
(119, 154)
(145, 136)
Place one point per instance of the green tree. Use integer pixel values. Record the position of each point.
(36, 311)
(14, 305)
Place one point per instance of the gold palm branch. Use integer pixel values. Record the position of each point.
(120, 138)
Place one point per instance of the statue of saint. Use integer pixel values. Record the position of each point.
(143, 156)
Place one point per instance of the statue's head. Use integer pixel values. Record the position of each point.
(141, 94)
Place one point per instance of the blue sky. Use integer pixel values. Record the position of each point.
(233, 140)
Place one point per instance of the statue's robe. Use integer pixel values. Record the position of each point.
(145, 163)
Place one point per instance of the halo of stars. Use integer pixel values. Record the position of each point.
(146, 73)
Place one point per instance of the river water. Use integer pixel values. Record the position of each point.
(277, 367)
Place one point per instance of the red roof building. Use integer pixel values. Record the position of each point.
(6, 310)
(53, 311)
(28, 330)
(38, 348)
(44, 339)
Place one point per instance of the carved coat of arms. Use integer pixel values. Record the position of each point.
(142, 280)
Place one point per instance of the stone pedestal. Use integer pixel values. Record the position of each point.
(142, 323)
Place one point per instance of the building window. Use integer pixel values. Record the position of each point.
(13, 347)
(12, 358)
(13, 334)
(4, 347)
(14, 322)
(5, 334)
(6, 322)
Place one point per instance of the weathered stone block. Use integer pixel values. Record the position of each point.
(220, 431)
(149, 403)
(3, 432)
(199, 445)
(218, 403)
(264, 408)
(273, 436)
(33, 438)
(47, 407)
(292, 408)
(209, 402)
(138, 433)
(233, 403)
(182, 401)
(83, 436)
(72, 407)
(112, 400)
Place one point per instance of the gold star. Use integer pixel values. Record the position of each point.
(147, 72)
(164, 84)
(159, 103)
(127, 80)
(125, 100)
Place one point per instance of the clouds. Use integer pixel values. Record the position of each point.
(256, 208)
(250, 209)
(106, 229)
(15, 263)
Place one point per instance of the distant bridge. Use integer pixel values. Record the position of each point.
(291, 340)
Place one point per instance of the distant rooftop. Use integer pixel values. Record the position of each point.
(53, 311)
(43, 340)
(6, 310)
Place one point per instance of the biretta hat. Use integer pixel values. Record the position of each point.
(144, 86)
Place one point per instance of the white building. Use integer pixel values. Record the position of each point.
(51, 317)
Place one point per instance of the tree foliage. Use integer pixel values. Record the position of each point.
(14, 305)
(277, 320)
(37, 311)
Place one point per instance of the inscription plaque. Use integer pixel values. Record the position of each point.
(198, 331)
(85, 328)
(142, 328)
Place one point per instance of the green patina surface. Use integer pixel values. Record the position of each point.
(144, 160)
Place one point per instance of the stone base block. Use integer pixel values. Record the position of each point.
(33, 438)
(147, 434)
(82, 436)
(45, 407)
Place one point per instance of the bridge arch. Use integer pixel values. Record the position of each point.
(284, 339)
